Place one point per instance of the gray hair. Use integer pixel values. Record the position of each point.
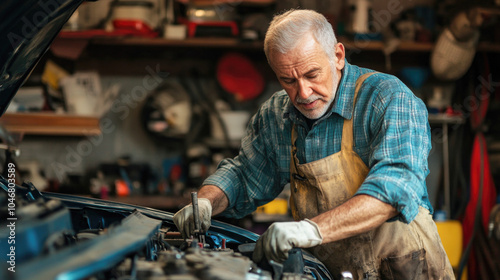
(287, 28)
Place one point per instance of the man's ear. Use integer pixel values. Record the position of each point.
(339, 56)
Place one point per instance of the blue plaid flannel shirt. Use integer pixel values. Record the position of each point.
(391, 134)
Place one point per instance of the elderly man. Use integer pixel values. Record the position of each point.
(352, 143)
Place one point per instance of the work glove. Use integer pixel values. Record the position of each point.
(280, 238)
(184, 218)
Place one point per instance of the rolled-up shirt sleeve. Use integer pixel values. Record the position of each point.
(250, 179)
(399, 149)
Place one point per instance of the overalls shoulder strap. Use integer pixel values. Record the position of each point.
(347, 130)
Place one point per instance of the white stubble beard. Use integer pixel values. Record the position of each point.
(313, 115)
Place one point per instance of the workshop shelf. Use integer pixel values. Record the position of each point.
(236, 43)
(366, 45)
(50, 124)
(446, 118)
(232, 43)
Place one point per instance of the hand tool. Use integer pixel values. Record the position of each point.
(198, 234)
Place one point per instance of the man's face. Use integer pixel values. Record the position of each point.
(308, 76)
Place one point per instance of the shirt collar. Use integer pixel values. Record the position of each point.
(345, 92)
(342, 105)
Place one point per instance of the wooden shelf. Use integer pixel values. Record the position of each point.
(379, 45)
(236, 43)
(188, 42)
(407, 46)
(50, 124)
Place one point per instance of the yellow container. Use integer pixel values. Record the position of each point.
(452, 238)
(279, 206)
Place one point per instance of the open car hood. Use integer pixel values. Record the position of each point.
(27, 29)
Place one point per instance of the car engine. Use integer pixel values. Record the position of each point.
(55, 236)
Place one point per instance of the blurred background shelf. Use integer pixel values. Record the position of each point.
(189, 42)
(445, 119)
(50, 124)
(367, 45)
(235, 43)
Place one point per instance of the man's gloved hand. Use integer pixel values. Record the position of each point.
(184, 218)
(282, 237)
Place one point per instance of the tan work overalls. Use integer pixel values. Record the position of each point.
(394, 250)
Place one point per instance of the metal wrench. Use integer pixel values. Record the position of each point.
(198, 233)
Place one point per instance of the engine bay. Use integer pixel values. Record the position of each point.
(65, 237)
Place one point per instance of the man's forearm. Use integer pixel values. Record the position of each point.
(216, 196)
(357, 215)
